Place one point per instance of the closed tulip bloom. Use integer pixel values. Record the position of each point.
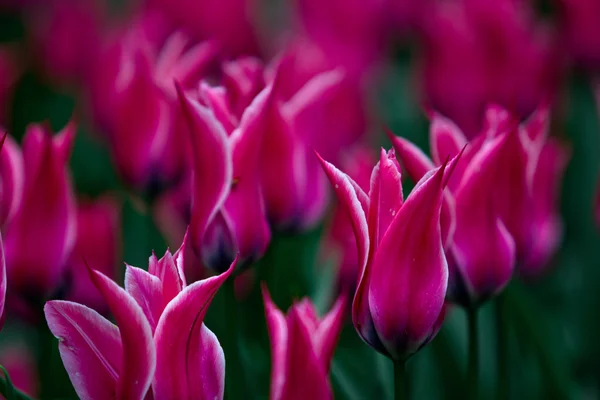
(159, 347)
(227, 213)
(46, 219)
(136, 104)
(302, 347)
(97, 244)
(398, 304)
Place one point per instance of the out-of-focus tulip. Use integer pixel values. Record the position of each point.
(65, 36)
(12, 179)
(398, 304)
(46, 219)
(230, 22)
(477, 52)
(135, 102)
(161, 344)
(340, 240)
(97, 244)
(302, 346)
(10, 72)
(581, 31)
(228, 214)
(21, 365)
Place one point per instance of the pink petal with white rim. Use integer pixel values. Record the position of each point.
(90, 348)
(139, 354)
(190, 362)
(146, 289)
(278, 335)
(326, 337)
(409, 273)
(12, 179)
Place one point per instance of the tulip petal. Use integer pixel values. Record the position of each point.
(146, 289)
(12, 177)
(212, 163)
(447, 140)
(245, 204)
(409, 273)
(139, 355)
(215, 97)
(328, 331)
(90, 348)
(2, 281)
(190, 361)
(483, 248)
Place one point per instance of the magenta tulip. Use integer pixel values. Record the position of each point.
(227, 214)
(12, 178)
(46, 219)
(161, 348)
(399, 242)
(302, 347)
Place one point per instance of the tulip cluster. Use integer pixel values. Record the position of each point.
(231, 136)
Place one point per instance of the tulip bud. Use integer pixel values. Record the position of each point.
(398, 304)
(302, 346)
(46, 220)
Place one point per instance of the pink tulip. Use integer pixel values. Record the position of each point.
(227, 214)
(46, 218)
(302, 347)
(65, 37)
(135, 102)
(161, 347)
(12, 179)
(477, 52)
(21, 365)
(98, 242)
(398, 304)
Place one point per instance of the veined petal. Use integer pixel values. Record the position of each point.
(146, 289)
(90, 348)
(190, 362)
(139, 355)
(212, 163)
(409, 273)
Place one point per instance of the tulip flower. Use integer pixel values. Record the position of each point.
(98, 242)
(398, 304)
(46, 219)
(477, 52)
(161, 348)
(227, 214)
(302, 346)
(65, 37)
(135, 102)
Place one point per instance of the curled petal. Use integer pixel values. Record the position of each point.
(90, 348)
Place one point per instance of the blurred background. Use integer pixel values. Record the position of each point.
(68, 59)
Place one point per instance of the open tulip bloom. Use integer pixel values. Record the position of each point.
(160, 348)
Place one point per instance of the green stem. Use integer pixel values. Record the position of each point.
(234, 373)
(400, 381)
(473, 367)
(8, 390)
(503, 388)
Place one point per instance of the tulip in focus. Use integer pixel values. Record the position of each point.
(98, 245)
(161, 348)
(399, 301)
(302, 347)
(46, 218)
(227, 214)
